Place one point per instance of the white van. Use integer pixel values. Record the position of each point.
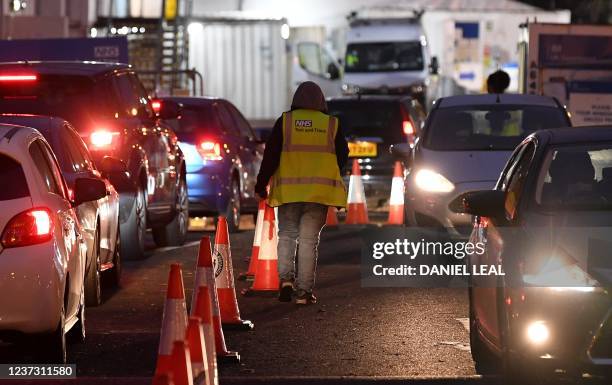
(313, 61)
(388, 56)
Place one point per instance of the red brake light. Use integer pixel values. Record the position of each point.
(210, 150)
(102, 138)
(18, 78)
(156, 104)
(408, 127)
(29, 227)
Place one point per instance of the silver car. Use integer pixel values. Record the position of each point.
(463, 147)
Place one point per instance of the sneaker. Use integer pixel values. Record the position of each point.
(305, 298)
(285, 291)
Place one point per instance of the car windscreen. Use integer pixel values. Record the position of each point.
(369, 119)
(195, 120)
(488, 128)
(576, 178)
(73, 98)
(388, 56)
(10, 170)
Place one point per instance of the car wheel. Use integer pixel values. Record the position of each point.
(77, 333)
(93, 288)
(115, 274)
(134, 230)
(484, 360)
(53, 346)
(232, 213)
(175, 232)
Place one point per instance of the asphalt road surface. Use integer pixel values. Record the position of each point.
(353, 334)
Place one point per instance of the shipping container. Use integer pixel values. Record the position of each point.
(244, 61)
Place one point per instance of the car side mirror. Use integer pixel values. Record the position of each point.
(169, 109)
(110, 165)
(434, 66)
(400, 150)
(88, 189)
(483, 203)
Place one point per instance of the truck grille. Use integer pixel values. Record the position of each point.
(602, 346)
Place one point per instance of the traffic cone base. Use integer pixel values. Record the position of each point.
(270, 282)
(250, 273)
(266, 279)
(228, 358)
(332, 217)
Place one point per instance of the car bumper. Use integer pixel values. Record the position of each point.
(31, 289)
(579, 324)
(426, 209)
(208, 192)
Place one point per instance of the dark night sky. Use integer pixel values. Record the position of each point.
(583, 11)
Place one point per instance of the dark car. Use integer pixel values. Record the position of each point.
(547, 223)
(99, 219)
(222, 154)
(372, 123)
(108, 106)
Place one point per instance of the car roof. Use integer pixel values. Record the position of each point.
(82, 68)
(491, 99)
(366, 98)
(13, 137)
(192, 100)
(576, 135)
(39, 122)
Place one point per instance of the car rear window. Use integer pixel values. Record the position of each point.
(195, 120)
(488, 128)
(10, 170)
(369, 119)
(77, 99)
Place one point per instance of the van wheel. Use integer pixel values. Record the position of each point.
(53, 345)
(232, 213)
(175, 232)
(135, 228)
(93, 288)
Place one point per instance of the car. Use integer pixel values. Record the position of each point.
(42, 295)
(547, 223)
(222, 157)
(107, 104)
(371, 123)
(463, 146)
(100, 219)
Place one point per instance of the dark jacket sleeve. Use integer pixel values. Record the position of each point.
(271, 158)
(342, 150)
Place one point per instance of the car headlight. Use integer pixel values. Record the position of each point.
(350, 89)
(431, 181)
(559, 276)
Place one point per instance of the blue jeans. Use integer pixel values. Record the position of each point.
(299, 223)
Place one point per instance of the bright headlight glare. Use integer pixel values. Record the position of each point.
(559, 277)
(537, 332)
(431, 181)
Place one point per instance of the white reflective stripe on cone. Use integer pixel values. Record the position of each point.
(174, 325)
(356, 194)
(397, 191)
(269, 244)
(258, 225)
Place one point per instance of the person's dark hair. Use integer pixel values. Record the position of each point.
(498, 82)
(309, 96)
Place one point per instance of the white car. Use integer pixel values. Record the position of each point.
(42, 253)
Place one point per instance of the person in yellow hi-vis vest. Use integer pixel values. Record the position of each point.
(302, 161)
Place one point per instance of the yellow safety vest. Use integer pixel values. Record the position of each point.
(308, 169)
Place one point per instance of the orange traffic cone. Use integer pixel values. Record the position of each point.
(357, 208)
(266, 278)
(197, 350)
(174, 319)
(396, 201)
(224, 281)
(332, 216)
(181, 364)
(163, 379)
(211, 320)
(256, 243)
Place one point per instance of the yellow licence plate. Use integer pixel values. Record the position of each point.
(362, 149)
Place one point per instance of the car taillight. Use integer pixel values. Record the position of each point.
(156, 104)
(210, 150)
(408, 127)
(18, 78)
(29, 227)
(102, 138)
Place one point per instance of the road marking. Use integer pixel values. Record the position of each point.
(465, 322)
(456, 345)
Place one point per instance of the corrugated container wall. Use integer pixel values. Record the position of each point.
(244, 62)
